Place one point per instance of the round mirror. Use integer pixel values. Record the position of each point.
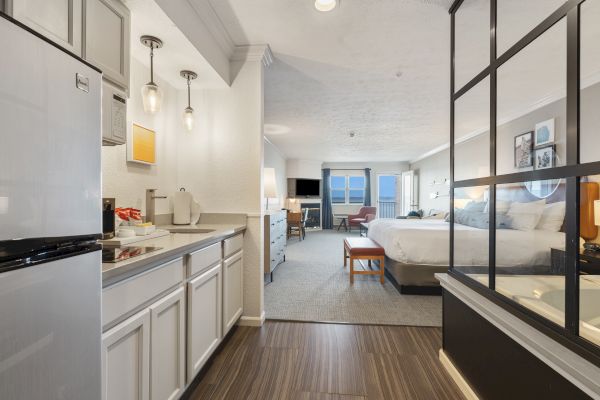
(543, 189)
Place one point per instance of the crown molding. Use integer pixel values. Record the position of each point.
(214, 24)
(254, 52)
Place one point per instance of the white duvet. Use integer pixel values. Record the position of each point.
(426, 242)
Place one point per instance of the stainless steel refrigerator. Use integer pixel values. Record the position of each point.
(50, 218)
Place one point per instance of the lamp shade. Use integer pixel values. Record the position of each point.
(270, 184)
(597, 212)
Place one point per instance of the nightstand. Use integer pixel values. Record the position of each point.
(589, 262)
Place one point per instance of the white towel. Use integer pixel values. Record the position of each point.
(182, 208)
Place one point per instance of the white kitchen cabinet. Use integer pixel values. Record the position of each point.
(58, 20)
(126, 359)
(233, 301)
(204, 318)
(107, 42)
(167, 350)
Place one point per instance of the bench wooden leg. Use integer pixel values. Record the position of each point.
(382, 269)
(345, 257)
(351, 269)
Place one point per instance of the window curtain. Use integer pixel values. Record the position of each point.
(327, 210)
(367, 202)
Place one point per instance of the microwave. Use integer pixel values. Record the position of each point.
(114, 115)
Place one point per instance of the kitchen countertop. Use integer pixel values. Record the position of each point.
(173, 245)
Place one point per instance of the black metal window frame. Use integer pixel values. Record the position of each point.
(567, 335)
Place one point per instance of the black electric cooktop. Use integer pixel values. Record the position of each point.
(116, 254)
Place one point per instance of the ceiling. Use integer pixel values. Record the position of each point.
(377, 68)
(177, 53)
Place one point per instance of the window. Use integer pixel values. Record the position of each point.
(347, 189)
(338, 189)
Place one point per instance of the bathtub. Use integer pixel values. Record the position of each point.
(546, 296)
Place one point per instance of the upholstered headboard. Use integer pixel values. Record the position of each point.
(589, 192)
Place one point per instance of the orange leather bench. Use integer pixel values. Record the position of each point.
(361, 248)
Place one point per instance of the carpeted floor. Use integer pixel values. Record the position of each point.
(312, 285)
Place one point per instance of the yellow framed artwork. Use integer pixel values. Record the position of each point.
(142, 146)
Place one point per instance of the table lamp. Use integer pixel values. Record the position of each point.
(270, 188)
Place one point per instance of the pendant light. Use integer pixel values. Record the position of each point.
(188, 113)
(151, 93)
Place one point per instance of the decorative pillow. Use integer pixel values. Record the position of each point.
(526, 216)
(480, 220)
(553, 217)
(475, 206)
(502, 207)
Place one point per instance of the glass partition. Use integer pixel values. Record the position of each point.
(530, 245)
(590, 81)
(471, 232)
(472, 133)
(589, 259)
(531, 105)
(516, 18)
(472, 40)
(538, 217)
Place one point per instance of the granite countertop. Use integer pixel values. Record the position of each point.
(173, 245)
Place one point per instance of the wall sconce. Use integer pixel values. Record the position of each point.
(151, 93)
(188, 113)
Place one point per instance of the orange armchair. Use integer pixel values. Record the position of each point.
(365, 214)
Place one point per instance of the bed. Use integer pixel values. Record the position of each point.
(416, 249)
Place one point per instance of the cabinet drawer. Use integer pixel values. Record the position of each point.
(233, 245)
(200, 260)
(127, 296)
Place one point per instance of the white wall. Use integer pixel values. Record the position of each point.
(307, 169)
(128, 181)
(434, 168)
(273, 158)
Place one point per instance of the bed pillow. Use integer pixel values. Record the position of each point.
(481, 220)
(526, 216)
(553, 217)
(475, 206)
(502, 207)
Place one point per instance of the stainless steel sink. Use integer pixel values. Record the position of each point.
(190, 230)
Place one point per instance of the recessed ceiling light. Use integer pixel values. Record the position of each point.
(325, 5)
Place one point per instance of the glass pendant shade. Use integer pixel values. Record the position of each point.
(325, 5)
(188, 118)
(151, 97)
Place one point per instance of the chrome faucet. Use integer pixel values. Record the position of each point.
(150, 209)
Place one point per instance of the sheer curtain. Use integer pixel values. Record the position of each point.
(327, 222)
(367, 201)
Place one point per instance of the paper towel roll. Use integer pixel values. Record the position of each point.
(182, 206)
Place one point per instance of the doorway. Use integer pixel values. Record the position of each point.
(388, 195)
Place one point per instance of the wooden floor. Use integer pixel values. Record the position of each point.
(307, 361)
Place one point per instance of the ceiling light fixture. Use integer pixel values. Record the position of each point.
(188, 113)
(325, 5)
(151, 93)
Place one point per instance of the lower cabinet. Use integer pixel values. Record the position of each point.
(167, 349)
(204, 318)
(143, 358)
(126, 359)
(233, 301)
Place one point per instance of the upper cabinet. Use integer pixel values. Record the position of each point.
(96, 30)
(59, 20)
(107, 30)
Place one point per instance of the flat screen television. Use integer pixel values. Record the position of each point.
(308, 187)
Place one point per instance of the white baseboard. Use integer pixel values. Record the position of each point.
(457, 377)
(252, 321)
